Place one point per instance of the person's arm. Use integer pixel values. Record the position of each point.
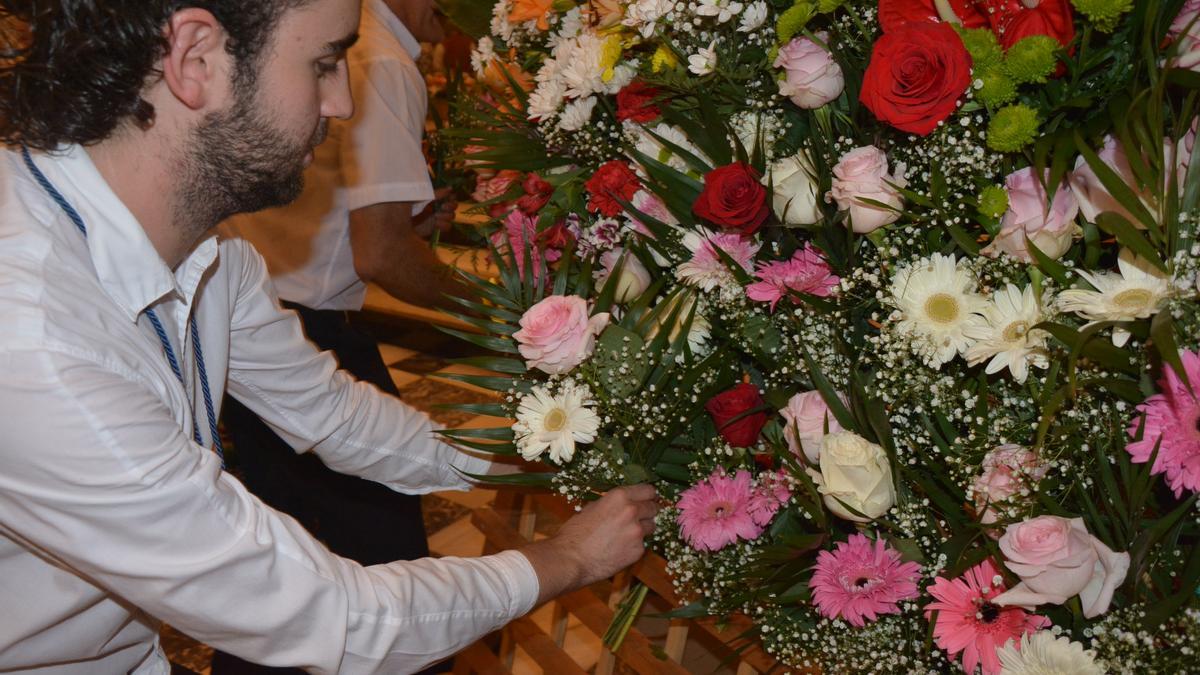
(390, 253)
(103, 482)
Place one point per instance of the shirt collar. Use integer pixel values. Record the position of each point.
(127, 264)
(395, 26)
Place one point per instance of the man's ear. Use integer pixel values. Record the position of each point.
(195, 64)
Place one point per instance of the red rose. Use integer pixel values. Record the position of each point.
(636, 101)
(537, 194)
(611, 181)
(895, 13)
(916, 76)
(734, 198)
(1052, 18)
(728, 410)
(556, 237)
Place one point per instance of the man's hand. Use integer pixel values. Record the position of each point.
(438, 216)
(603, 539)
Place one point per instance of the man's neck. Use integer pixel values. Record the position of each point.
(143, 175)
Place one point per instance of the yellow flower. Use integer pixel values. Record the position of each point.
(610, 54)
(663, 59)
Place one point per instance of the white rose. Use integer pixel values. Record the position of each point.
(857, 472)
(795, 196)
(634, 279)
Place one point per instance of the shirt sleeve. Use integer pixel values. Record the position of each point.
(302, 395)
(380, 147)
(98, 478)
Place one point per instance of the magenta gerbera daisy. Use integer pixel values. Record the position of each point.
(1172, 424)
(805, 272)
(859, 580)
(968, 622)
(715, 512)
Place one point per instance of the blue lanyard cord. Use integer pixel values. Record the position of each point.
(158, 327)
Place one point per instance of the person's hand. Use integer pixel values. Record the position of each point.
(438, 216)
(604, 538)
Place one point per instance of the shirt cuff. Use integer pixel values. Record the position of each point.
(523, 580)
(362, 196)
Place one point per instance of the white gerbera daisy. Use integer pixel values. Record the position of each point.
(1137, 291)
(555, 423)
(1008, 338)
(938, 303)
(1041, 653)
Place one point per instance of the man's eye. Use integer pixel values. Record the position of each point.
(327, 67)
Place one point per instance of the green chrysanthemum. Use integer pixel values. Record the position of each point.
(1012, 128)
(993, 201)
(1104, 14)
(983, 47)
(791, 21)
(1032, 59)
(997, 88)
(827, 6)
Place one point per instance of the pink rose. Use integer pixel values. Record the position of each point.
(860, 174)
(634, 278)
(1056, 558)
(812, 77)
(1049, 227)
(806, 418)
(1090, 193)
(1006, 471)
(1185, 31)
(556, 334)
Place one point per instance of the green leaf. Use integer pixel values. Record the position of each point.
(525, 480)
(1162, 329)
(1115, 185)
(1129, 237)
(1053, 269)
(494, 343)
(619, 367)
(495, 363)
(501, 384)
(488, 434)
(489, 409)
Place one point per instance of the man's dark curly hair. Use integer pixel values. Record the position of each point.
(71, 71)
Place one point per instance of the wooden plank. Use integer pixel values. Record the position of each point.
(636, 651)
(549, 656)
(677, 636)
(730, 636)
(478, 659)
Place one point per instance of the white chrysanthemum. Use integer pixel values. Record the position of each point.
(704, 61)
(547, 98)
(1136, 291)
(623, 74)
(1008, 338)
(752, 127)
(939, 305)
(483, 54)
(501, 28)
(643, 15)
(1042, 653)
(580, 65)
(555, 423)
(724, 10)
(651, 147)
(577, 114)
(571, 23)
(753, 17)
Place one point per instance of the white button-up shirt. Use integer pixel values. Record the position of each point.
(112, 518)
(373, 158)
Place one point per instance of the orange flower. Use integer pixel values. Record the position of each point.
(527, 10)
(607, 12)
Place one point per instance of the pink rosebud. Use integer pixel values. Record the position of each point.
(812, 78)
(861, 174)
(1049, 227)
(807, 420)
(1007, 469)
(1056, 558)
(556, 334)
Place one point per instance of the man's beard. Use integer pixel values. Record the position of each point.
(238, 162)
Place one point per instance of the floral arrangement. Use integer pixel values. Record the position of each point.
(894, 301)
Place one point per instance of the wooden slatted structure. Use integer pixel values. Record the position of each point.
(516, 520)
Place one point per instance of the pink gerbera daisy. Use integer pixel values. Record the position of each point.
(1172, 424)
(805, 272)
(716, 512)
(859, 580)
(771, 493)
(968, 622)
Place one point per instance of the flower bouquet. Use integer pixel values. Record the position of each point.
(894, 301)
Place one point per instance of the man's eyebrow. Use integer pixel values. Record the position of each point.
(341, 46)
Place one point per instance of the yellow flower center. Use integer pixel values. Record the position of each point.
(1015, 331)
(555, 420)
(942, 308)
(1133, 298)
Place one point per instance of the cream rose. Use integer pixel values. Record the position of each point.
(556, 334)
(1056, 558)
(805, 420)
(861, 174)
(811, 77)
(1050, 225)
(856, 472)
(795, 190)
(633, 279)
